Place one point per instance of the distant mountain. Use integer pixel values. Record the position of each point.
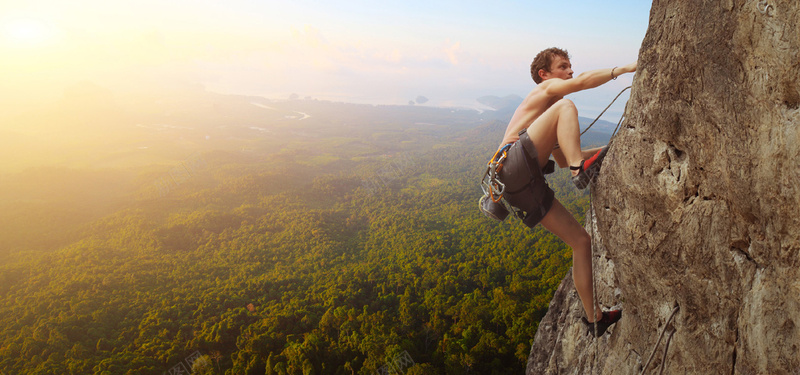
(498, 103)
(504, 108)
(601, 126)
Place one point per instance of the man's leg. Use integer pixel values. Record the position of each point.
(561, 223)
(558, 124)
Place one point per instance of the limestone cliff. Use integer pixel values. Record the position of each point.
(697, 203)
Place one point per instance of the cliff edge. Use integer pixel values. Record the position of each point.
(695, 210)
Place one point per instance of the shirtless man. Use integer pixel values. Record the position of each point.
(543, 120)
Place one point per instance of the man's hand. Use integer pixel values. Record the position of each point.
(630, 68)
(586, 80)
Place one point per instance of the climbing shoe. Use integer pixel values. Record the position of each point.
(609, 318)
(589, 169)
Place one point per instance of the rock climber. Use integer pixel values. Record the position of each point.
(547, 124)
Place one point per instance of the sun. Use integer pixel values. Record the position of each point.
(28, 32)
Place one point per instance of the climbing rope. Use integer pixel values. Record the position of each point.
(594, 291)
(619, 123)
(666, 346)
(591, 224)
(606, 109)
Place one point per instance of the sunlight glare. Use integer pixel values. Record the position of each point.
(28, 32)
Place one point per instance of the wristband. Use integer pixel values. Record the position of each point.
(612, 73)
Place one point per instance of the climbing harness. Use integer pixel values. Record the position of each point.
(666, 346)
(514, 182)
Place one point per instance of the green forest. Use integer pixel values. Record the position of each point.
(347, 241)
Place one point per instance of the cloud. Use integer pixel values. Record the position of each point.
(309, 61)
(309, 36)
(451, 51)
(395, 56)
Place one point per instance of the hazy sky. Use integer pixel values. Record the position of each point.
(360, 51)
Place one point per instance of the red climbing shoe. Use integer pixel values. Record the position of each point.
(589, 169)
(609, 318)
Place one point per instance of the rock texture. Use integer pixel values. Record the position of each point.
(697, 204)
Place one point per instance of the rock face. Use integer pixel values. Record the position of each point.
(697, 204)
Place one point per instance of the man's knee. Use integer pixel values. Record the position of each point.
(566, 105)
(582, 242)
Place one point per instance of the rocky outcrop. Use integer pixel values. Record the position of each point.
(697, 204)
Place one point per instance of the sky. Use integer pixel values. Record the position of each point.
(390, 52)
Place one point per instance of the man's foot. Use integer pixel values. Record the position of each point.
(609, 318)
(589, 169)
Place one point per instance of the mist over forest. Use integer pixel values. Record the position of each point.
(141, 231)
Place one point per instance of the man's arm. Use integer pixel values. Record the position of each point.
(586, 80)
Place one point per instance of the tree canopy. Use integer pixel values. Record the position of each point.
(355, 264)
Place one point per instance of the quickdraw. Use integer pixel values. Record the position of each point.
(494, 187)
(492, 203)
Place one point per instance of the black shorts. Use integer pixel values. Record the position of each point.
(526, 188)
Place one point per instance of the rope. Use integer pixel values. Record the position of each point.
(644, 370)
(591, 224)
(620, 122)
(604, 111)
(601, 114)
(594, 291)
(666, 347)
